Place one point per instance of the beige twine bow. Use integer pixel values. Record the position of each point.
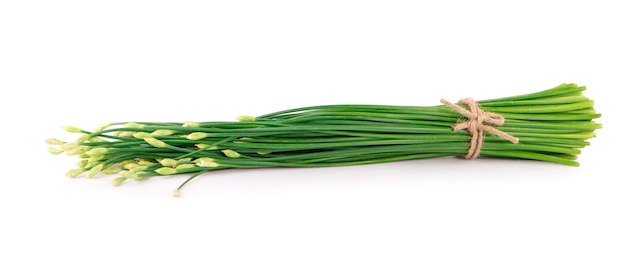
(476, 125)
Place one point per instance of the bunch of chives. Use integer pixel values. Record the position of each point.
(551, 125)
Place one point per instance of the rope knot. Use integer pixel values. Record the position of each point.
(478, 121)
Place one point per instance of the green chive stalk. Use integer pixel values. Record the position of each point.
(551, 125)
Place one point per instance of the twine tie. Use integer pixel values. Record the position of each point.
(478, 122)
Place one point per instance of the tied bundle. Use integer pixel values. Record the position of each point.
(551, 125)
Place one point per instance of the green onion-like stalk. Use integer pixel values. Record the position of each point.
(551, 125)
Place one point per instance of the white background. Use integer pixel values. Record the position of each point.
(88, 62)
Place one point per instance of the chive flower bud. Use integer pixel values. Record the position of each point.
(78, 151)
(134, 125)
(111, 170)
(231, 153)
(138, 168)
(69, 146)
(82, 139)
(191, 124)
(168, 162)
(185, 166)
(246, 118)
(54, 142)
(82, 163)
(202, 146)
(55, 151)
(74, 172)
(145, 162)
(125, 162)
(196, 136)
(203, 159)
(206, 147)
(128, 174)
(141, 135)
(72, 129)
(155, 142)
(95, 170)
(94, 159)
(125, 134)
(206, 162)
(118, 181)
(96, 139)
(162, 133)
(130, 165)
(165, 171)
